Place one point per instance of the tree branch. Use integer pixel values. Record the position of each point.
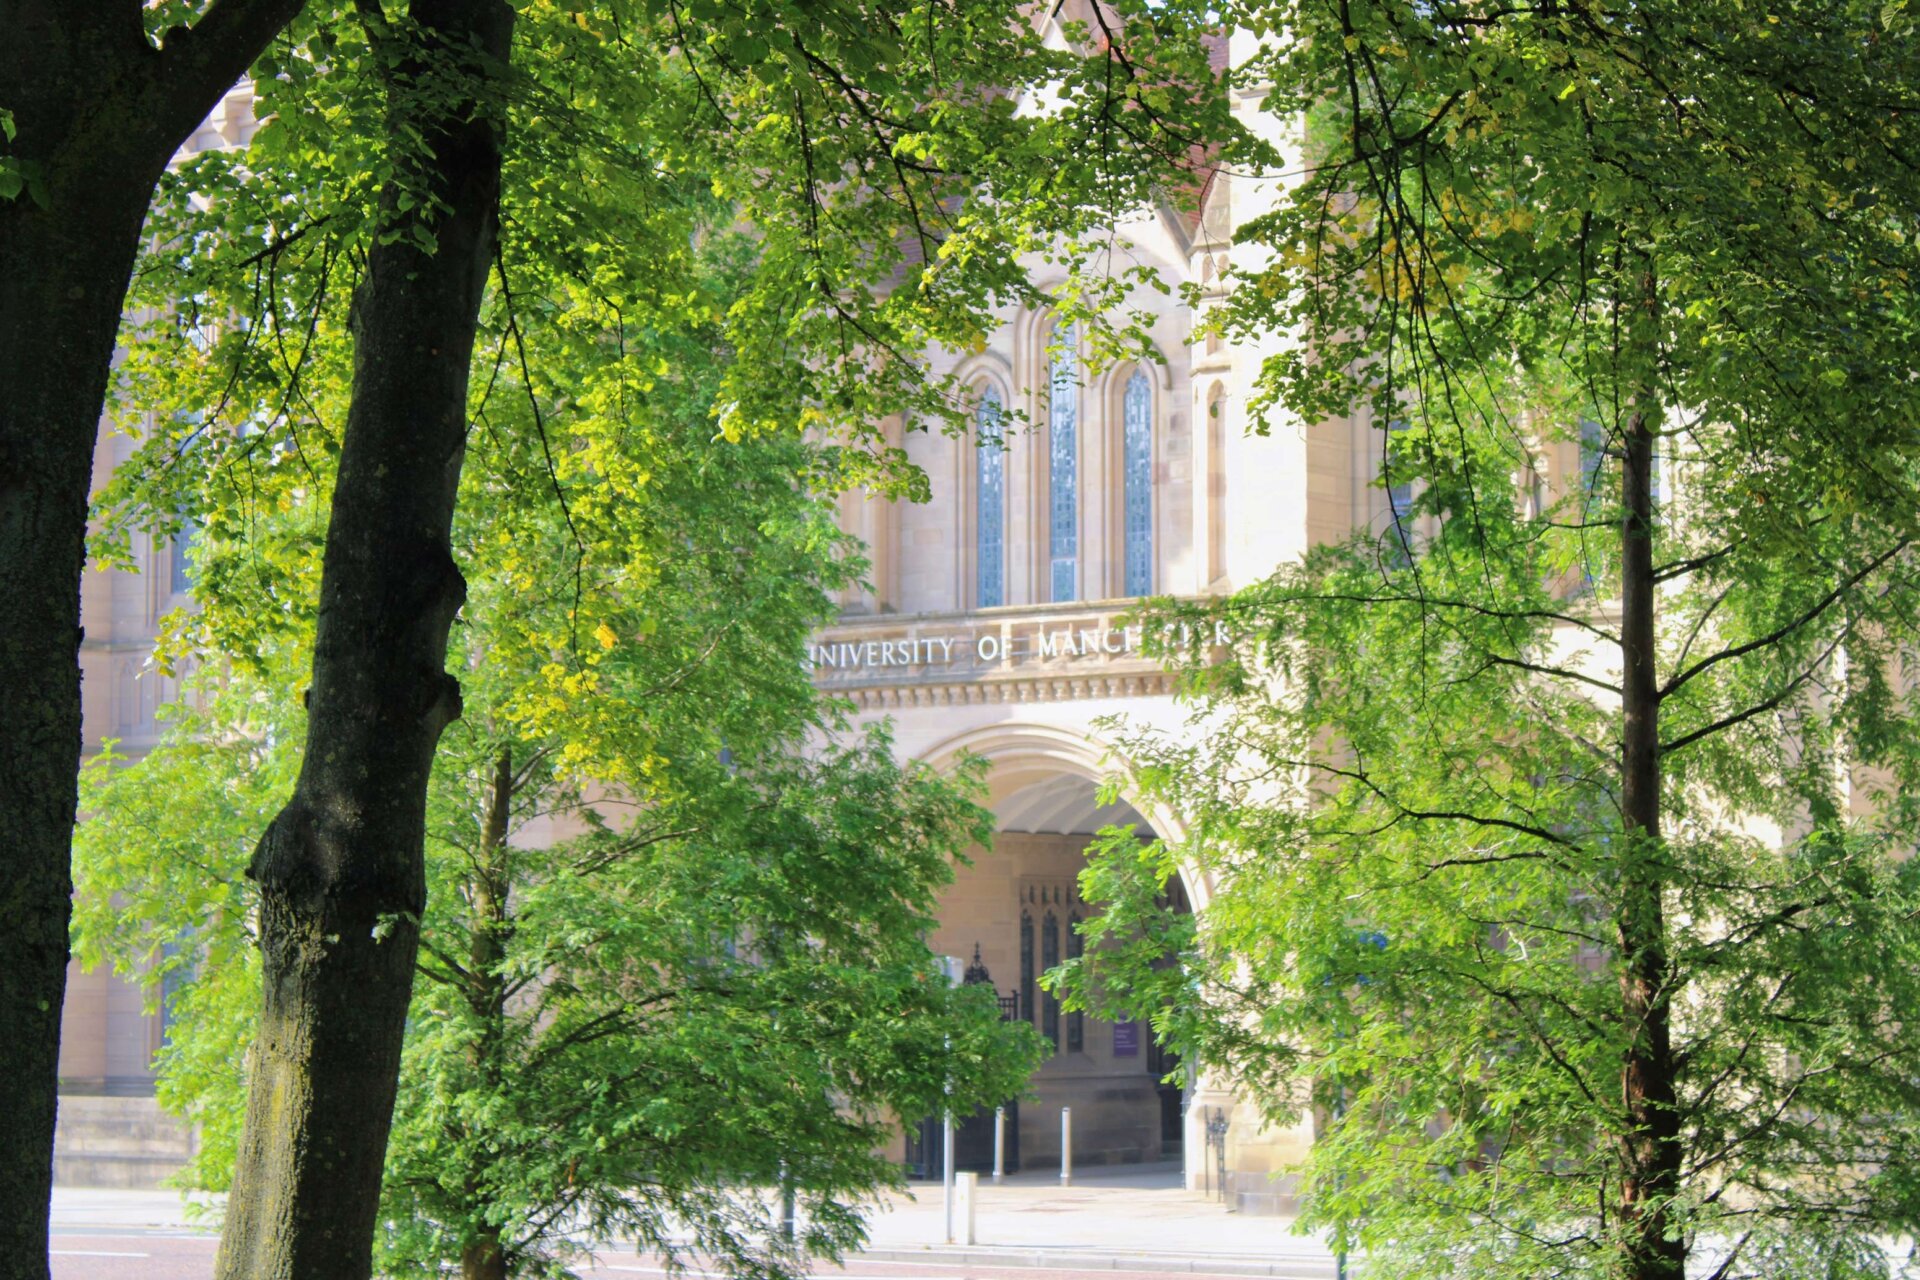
(201, 62)
(1780, 633)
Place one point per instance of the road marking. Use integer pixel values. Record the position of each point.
(94, 1253)
(832, 1275)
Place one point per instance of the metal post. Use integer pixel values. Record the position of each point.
(1339, 1257)
(966, 1184)
(954, 971)
(1066, 1146)
(788, 1213)
(946, 1161)
(999, 1143)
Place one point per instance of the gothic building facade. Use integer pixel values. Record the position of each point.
(995, 623)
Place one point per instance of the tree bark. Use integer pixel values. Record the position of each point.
(1650, 1149)
(97, 112)
(484, 1257)
(340, 868)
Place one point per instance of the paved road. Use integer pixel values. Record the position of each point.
(146, 1256)
(176, 1256)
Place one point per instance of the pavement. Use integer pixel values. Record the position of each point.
(1135, 1219)
(1128, 1217)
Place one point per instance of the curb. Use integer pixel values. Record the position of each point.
(1074, 1260)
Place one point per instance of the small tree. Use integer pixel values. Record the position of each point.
(1561, 818)
(706, 981)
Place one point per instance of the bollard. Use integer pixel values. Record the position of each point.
(999, 1143)
(964, 1187)
(1066, 1146)
(946, 1163)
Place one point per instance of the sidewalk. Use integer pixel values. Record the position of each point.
(1135, 1217)
(1130, 1218)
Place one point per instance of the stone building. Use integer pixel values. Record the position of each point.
(994, 625)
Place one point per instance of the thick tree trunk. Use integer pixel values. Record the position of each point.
(340, 868)
(97, 111)
(1650, 1149)
(60, 293)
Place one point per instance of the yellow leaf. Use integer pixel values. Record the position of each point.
(604, 634)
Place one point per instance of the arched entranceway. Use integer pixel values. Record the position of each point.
(1013, 914)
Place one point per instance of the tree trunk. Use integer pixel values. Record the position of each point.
(483, 1257)
(96, 112)
(1650, 1149)
(340, 867)
(60, 293)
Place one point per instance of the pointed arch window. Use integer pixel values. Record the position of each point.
(1026, 965)
(990, 503)
(1049, 957)
(1076, 1021)
(1399, 500)
(180, 557)
(1593, 458)
(1137, 482)
(1063, 466)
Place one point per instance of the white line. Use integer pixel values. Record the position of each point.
(836, 1275)
(94, 1253)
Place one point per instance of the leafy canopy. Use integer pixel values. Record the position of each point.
(1525, 243)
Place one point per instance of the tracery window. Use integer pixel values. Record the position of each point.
(990, 504)
(1063, 466)
(1137, 473)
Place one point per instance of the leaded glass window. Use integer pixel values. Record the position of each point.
(1137, 468)
(1050, 957)
(990, 504)
(1399, 500)
(1063, 466)
(1026, 965)
(1593, 457)
(1076, 1021)
(180, 558)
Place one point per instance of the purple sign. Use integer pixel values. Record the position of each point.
(1126, 1039)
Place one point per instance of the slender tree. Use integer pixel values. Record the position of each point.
(96, 100)
(1572, 773)
(340, 867)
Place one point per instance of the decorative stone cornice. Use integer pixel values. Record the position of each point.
(1038, 689)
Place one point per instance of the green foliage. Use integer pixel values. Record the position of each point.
(674, 950)
(1419, 864)
(739, 225)
(1526, 236)
(897, 190)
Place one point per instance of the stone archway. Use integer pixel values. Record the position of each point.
(1021, 755)
(1015, 909)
